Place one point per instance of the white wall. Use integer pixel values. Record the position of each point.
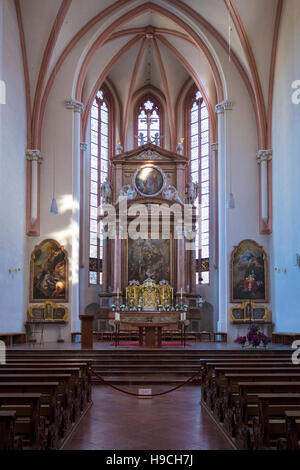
(286, 173)
(12, 175)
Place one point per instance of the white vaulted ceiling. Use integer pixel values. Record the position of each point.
(252, 24)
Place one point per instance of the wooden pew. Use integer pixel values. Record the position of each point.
(64, 391)
(270, 424)
(49, 406)
(28, 422)
(7, 430)
(247, 407)
(292, 422)
(85, 368)
(77, 382)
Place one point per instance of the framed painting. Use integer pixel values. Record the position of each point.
(249, 273)
(149, 180)
(149, 257)
(49, 273)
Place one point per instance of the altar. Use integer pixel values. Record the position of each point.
(149, 324)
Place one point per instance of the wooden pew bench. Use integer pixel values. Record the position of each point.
(270, 425)
(77, 382)
(11, 339)
(246, 409)
(28, 424)
(50, 405)
(292, 424)
(7, 430)
(214, 382)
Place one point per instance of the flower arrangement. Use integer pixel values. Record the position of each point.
(255, 337)
(168, 307)
(185, 307)
(113, 307)
(139, 308)
(123, 307)
(177, 307)
(160, 307)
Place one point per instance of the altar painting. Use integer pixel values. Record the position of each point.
(149, 256)
(249, 276)
(49, 273)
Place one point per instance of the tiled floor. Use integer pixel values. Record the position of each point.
(170, 422)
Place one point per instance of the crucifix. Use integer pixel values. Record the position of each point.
(149, 120)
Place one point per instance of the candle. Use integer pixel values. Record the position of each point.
(181, 293)
(172, 293)
(118, 293)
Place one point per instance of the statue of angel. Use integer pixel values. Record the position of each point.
(171, 194)
(127, 191)
(191, 192)
(106, 192)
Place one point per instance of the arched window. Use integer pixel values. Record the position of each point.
(148, 121)
(100, 153)
(198, 146)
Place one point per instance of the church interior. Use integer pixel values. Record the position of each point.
(150, 247)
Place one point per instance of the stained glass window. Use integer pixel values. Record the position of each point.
(100, 119)
(200, 173)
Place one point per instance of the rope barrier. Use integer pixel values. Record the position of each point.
(148, 396)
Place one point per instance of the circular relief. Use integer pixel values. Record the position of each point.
(149, 180)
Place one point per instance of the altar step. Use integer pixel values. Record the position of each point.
(142, 381)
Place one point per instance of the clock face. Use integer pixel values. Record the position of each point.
(149, 180)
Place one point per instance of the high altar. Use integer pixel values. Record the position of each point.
(152, 272)
(148, 176)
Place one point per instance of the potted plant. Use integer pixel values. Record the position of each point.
(168, 307)
(241, 340)
(113, 307)
(160, 307)
(177, 307)
(139, 307)
(123, 307)
(185, 307)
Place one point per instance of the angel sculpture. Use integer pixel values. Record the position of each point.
(191, 192)
(127, 191)
(171, 194)
(106, 192)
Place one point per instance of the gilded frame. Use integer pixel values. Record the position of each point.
(48, 312)
(262, 258)
(36, 252)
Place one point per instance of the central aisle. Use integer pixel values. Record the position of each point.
(120, 422)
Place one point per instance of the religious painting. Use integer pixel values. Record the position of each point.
(149, 258)
(249, 273)
(149, 180)
(49, 273)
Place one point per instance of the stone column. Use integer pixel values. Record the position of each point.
(215, 247)
(222, 110)
(263, 157)
(77, 108)
(34, 158)
(83, 150)
(181, 283)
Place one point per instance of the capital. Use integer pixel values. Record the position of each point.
(83, 146)
(77, 106)
(223, 106)
(264, 155)
(34, 155)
